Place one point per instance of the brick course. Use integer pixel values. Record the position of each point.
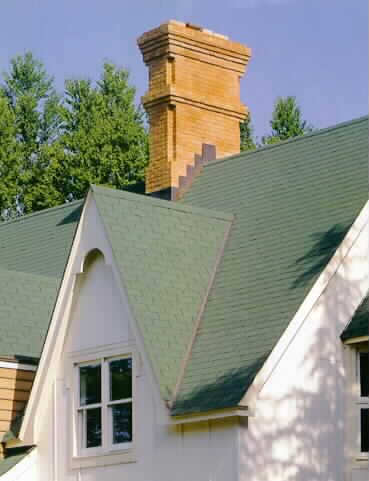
(193, 98)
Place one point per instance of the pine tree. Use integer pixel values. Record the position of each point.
(286, 121)
(52, 147)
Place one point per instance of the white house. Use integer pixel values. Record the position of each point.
(218, 333)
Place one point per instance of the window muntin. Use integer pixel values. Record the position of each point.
(105, 410)
(363, 401)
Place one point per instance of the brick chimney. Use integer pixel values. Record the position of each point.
(193, 101)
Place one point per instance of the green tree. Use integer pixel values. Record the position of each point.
(104, 139)
(8, 159)
(32, 109)
(52, 147)
(247, 134)
(286, 121)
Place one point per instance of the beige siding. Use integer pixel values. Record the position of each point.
(15, 386)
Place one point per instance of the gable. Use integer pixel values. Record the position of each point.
(293, 204)
(166, 255)
(99, 316)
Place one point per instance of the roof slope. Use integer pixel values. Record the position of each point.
(293, 203)
(26, 303)
(33, 254)
(39, 243)
(166, 254)
(359, 325)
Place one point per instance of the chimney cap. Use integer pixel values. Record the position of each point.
(192, 33)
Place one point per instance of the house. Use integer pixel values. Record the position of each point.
(216, 333)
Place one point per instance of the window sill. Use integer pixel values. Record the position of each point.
(360, 462)
(112, 457)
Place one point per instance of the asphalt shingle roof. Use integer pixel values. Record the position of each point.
(293, 203)
(359, 325)
(166, 253)
(289, 206)
(33, 254)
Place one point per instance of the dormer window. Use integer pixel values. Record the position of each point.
(104, 407)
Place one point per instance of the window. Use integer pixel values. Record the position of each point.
(104, 405)
(362, 402)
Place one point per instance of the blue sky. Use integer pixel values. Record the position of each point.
(316, 50)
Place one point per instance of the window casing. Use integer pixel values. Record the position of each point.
(104, 405)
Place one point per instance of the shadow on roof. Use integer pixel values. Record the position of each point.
(317, 257)
(73, 216)
(225, 392)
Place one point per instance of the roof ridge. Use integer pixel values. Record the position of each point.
(282, 143)
(200, 313)
(162, 203)
(39, 212)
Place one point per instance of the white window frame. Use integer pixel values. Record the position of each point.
(360, 403)
(107, 453)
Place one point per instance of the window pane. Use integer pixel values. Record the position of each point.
(364, 422)
(93, 427)
(120, 379)
(364, 374)
(90, 384)
(122, 423)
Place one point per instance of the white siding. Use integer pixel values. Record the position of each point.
(100, 316)
(300, 430)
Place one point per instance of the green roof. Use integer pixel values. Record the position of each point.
(39, 243)
(293, 203)
(13, 457)
(288, 207)
(33, 254)
(359, 324)
(166, 253)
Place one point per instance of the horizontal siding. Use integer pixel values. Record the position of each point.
(16, 374)
(15, 387)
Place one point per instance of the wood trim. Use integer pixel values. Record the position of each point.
(18, 366)
(357, 340)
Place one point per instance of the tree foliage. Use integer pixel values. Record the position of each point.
(30, 124)
(52, 147)
(247, 134)
(286, 121)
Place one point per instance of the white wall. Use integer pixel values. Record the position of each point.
(300, 428)
(100, 316)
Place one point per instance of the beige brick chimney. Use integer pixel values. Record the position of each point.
(193, 101)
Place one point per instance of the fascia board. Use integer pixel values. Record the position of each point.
(51, 348)
(208, 416)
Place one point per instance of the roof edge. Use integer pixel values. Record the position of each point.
(161, 203)
(292, 140)
(40, 212)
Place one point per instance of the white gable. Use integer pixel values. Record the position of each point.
(93, 318)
